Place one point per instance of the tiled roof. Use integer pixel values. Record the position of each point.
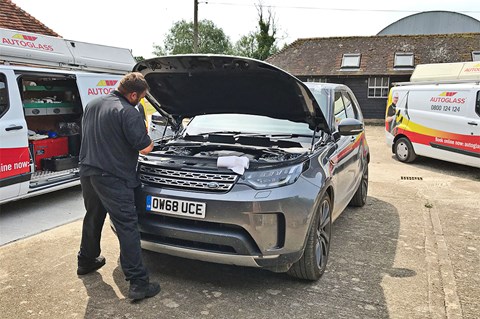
(323, 56)
(13, 17)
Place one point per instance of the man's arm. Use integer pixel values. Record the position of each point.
(147, 149)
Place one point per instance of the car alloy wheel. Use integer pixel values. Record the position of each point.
(360, 197)
(322, 247)
(313, 263)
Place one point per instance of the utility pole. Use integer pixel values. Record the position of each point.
(195, 26)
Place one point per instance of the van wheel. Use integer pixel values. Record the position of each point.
(360, 197)
(404, 150)
(313, 263)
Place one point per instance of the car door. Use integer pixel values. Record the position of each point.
(14, 152)
(340, 160)
(354, 156)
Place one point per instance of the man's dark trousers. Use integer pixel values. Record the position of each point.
(107, 193)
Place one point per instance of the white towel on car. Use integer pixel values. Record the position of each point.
(238, 164)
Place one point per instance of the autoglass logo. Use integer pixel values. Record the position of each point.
(24, 37)
(26, 41)
(448, 97)
(107, 82)
(103, 87)
(448, 94)
(474, 69)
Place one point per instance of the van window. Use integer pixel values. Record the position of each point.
(3, 95)
(477, 104)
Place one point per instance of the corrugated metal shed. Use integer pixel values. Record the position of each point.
(433, 22)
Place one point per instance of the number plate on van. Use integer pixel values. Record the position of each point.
(176, 207)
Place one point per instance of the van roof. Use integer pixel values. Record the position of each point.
(19, 47)
(447, 72)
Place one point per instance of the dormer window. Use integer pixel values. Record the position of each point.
(403, 60)
(351, 61)
(476, 56)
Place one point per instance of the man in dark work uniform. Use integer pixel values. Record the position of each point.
(113, 133)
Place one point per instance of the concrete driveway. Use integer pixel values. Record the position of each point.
(412, 252)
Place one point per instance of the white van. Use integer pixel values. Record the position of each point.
(437, 114)
(44, 84)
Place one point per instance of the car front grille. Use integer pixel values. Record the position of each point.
(183, 179)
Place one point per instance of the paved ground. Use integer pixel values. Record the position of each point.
(412, 252)
(28, 217)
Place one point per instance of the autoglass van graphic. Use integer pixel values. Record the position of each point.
(434, 121)
(27, 41)
(103, 87)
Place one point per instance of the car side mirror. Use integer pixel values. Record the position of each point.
(350, 126)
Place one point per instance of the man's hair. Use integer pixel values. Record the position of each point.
(133, 82)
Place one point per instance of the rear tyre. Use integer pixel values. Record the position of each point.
(404, 150)
(313, 263)
(360, 197)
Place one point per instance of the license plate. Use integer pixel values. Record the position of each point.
(176, 207)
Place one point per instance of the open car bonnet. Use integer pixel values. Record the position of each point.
(183, 86)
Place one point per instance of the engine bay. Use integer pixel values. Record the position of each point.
(214, 151)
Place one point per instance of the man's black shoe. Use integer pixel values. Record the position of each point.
(141, 289)
(86, 268)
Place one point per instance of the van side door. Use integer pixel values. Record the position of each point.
(92, 85)
(14, 153)
(473, 122)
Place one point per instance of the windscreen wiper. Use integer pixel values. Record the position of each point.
(293, 135)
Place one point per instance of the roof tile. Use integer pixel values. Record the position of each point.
(13, 17)
(323, 56)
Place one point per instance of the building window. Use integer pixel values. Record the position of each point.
(378, 87)
(403, 60)
(476, 56)
(320, 80)
(351, 61)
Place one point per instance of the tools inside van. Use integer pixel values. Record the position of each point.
(53, 111)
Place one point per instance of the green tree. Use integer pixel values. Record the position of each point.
(179, 40)
(261, 43)
(246, 46)
(266, 35)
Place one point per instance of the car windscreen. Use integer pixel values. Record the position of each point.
(242, 123)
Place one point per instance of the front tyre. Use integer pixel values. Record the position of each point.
(313, 263)
(404, 150)
(360, 197)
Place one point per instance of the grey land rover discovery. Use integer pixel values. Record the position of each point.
(258, 168)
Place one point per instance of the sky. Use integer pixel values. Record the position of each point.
(139, 24)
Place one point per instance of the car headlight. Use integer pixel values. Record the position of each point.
(273, 177)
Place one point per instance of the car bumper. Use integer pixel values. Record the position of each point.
(244, 227)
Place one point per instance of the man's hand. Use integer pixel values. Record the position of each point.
(147, 149)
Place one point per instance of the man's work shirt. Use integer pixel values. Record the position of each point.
(113, 132)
